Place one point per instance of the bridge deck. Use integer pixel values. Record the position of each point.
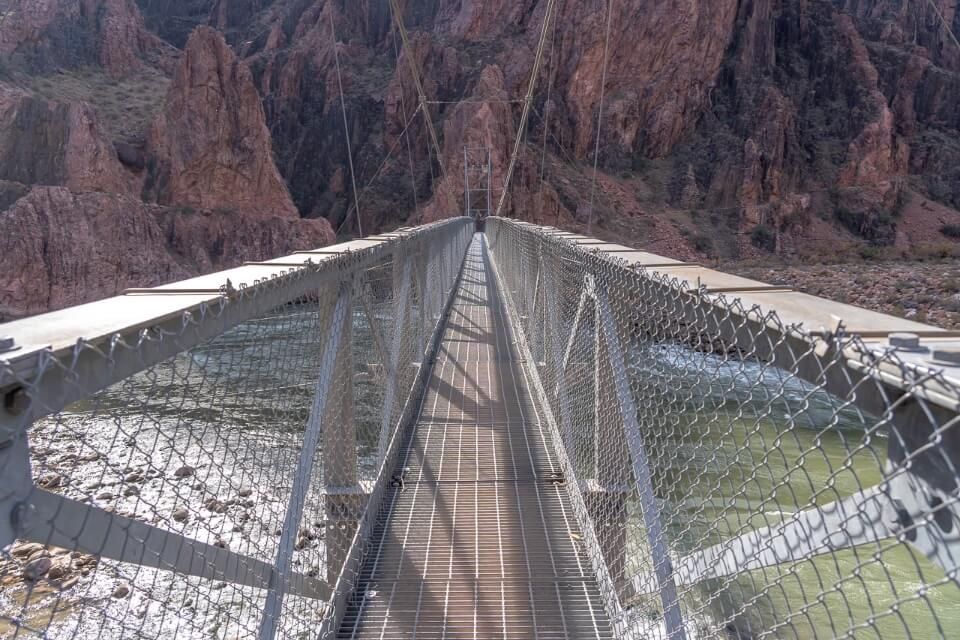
(479, 543)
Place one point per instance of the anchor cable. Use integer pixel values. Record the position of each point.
(415, 71)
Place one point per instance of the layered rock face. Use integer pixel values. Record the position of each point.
(48, 34)
(717, 117)
(58, 247)
(210, 147)
(724, 129)
(55, 143)
(74, 222)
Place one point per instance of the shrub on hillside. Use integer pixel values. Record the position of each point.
(951, 231)
(763, 237)
(877, 227)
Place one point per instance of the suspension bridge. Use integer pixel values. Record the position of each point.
(478, 428)
(441, 432)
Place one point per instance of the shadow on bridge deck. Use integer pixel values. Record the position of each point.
(479, 543)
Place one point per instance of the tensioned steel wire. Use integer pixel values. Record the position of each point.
(736, 477)
(528, 101)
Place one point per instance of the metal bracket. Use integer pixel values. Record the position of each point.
(915, 503)
(922, 481)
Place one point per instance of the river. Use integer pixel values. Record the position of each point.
(752, 446)
(745, 447)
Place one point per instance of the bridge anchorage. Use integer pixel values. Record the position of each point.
(438, 433)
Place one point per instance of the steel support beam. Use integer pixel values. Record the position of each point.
(656, 537)
(303, 475)
(51, 519)
(339, 444)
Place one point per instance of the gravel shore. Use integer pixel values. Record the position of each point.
(922, 291)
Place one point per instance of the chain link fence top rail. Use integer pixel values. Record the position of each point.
(743, 463)
(195, 460)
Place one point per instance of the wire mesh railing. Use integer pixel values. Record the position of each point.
(196, 460)
(738, 474)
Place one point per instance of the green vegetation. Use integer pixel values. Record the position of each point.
(763, 237)
(703, 243)
(951, 231)
(126, 106)
(876, 226)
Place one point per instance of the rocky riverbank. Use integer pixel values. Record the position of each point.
(206, 474)
(922, 291)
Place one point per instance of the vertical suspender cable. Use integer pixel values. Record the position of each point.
(346, 127)
(603, 86)
(403, 111)
(546, 119)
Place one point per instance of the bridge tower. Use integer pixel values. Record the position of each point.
(477, 183)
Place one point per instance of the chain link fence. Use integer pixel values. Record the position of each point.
(198, 460)
(203, 469)
(735, 476)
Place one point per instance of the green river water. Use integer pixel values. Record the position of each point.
(750, 446)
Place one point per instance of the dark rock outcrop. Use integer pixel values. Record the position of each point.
(44, 35)
(55, 143)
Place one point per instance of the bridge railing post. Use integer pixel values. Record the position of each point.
(332, 402)
(339, 442)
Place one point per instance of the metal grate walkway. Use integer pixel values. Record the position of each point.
(480, 542)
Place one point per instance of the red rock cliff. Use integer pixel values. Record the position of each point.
(210, 146)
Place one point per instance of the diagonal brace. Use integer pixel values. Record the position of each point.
(52, 519)
(656, 539)
(280, 576)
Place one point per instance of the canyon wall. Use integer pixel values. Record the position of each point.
(84, 215)
(820, 129)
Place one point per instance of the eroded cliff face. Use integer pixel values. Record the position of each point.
(83, 217)
(728, 129)
(48, 34)
(210, 147)
(59, 248)
(55, 143)
(717, 117)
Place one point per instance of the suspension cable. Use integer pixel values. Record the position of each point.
(603, 86)
(526, 105)
(383, 163)
(415, 71)
(403, 112)
(346, 128)
(946, 25)
(546, 108)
